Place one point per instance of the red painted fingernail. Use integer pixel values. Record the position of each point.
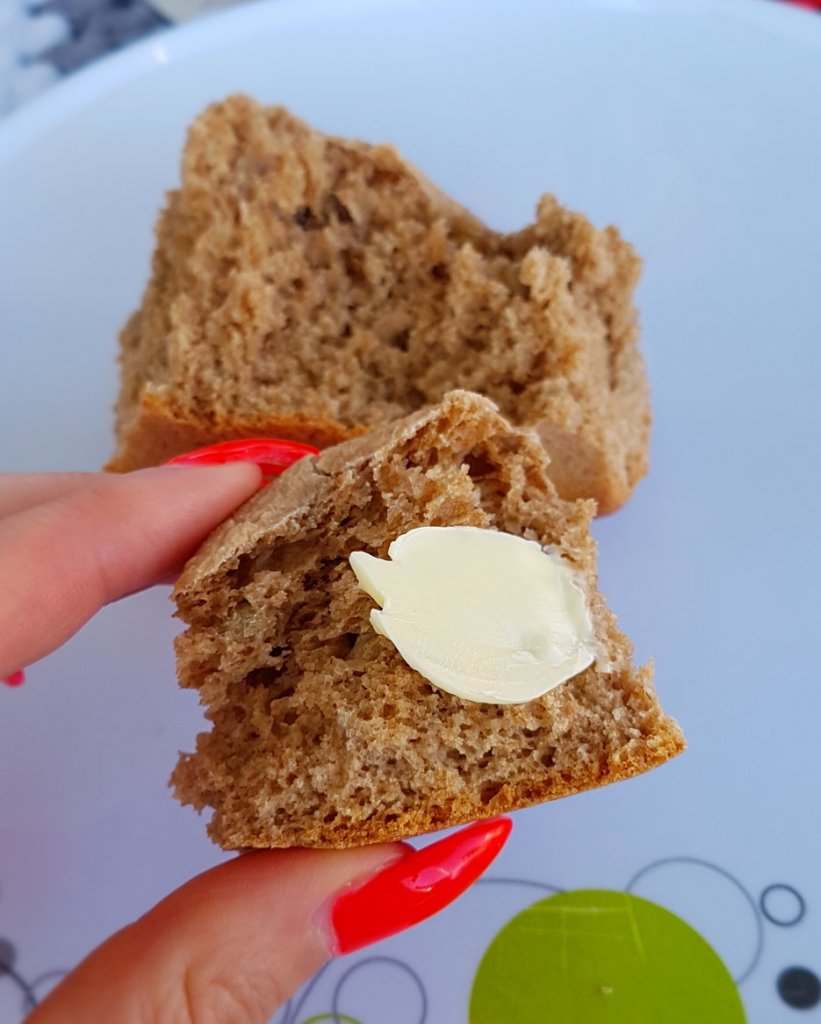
(416, 886)
(15, 679)
(271, 454)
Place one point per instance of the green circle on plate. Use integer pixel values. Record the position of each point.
(593, 956)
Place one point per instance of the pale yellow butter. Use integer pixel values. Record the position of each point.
(487, 616)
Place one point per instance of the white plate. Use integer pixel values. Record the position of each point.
(693, 126)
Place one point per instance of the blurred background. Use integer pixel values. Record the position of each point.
(42, 41)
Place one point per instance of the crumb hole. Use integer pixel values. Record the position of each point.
(415, 459)
(341, 646)
(353, 265)
(265, 676)
(478, 464)
(335, 207)
(400, 341)
(307, 219)
(489, 791)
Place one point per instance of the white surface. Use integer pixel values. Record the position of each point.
(693, 126)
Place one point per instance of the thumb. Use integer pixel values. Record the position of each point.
(231, 946)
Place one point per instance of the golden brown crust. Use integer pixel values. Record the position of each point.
(579, 465)
(160, 431)
(441, 812)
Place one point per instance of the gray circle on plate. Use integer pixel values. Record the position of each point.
(8, 953)
(782, 905)
(719, 872)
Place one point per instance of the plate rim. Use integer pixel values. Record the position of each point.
(213, 31)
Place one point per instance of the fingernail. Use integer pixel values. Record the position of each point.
(15, 679)
(272, 455)
(416, 886)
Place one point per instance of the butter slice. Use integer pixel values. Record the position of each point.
(485, 615)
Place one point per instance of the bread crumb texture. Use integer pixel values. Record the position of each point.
(321, 735)
(310, 287)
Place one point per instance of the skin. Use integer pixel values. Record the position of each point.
(234, 943)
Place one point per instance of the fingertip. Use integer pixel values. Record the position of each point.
(240, 475)
(116, 534)
(215, 490)
(414, 887)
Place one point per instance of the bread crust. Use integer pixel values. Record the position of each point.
(444, 811)
(161, 430)
(580, 465)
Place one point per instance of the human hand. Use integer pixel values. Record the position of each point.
(232, 945)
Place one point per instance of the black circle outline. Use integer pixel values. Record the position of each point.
(289, 1013)
(26, 991)
(802, 905)
(7, 946)
(759, 944)
(409, 971)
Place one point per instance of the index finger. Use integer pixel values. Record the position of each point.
(19, 491)
(61, 561)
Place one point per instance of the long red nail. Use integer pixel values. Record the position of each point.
(15, 679)
(271, 454)
(416, 886)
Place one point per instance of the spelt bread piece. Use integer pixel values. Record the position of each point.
(321, 734)
(310, 287)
